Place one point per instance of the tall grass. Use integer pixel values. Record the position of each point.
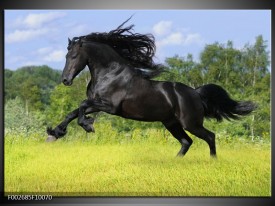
(100, 165)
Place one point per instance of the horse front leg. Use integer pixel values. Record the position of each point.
(85, 122)
(96, 105)
(60, 130)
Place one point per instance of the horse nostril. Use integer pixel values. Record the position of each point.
(65, 81)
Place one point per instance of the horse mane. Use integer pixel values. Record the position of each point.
(137, 49)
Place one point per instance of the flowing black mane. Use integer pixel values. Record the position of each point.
(137, 49)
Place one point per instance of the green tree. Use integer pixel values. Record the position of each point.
(32, 78)
(256, 62)
(16, 119)
(211, 64)
(31, 95)
(179, 69)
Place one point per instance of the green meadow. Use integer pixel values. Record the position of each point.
(132, 158)
(85, 166)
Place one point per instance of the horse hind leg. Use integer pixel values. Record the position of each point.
(177, 131)
(207, 136)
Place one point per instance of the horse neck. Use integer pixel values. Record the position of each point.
(112, 71)
(105, 62)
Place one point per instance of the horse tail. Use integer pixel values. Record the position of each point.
(218, 104)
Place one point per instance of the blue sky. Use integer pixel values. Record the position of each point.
(40, 37)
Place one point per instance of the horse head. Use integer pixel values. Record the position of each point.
(76, 60)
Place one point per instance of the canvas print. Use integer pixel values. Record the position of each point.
(150, 103)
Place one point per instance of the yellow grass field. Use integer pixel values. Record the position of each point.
(83, 168)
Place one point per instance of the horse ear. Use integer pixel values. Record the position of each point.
(69, 41)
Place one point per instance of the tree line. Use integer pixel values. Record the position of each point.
(35, 93)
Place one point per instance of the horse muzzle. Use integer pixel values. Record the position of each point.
(67, 82)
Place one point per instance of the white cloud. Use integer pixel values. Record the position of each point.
(169, 35)
(44, 50)
(162, 28)
(55, 56)
(24, 35)
(193, 38)
(33, 25)
(172, 39)
(178, 38)
(38, 20)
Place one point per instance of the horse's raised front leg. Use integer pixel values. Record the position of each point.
(85, 122)
(95, 105)
(60, 130)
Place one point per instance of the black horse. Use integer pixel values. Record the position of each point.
(121, 67)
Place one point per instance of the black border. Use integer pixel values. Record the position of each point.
(135, 5)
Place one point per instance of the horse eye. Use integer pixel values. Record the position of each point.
(74, 56)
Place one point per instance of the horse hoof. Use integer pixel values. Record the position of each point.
(51, 138)
(180, 155)
(88, 128)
